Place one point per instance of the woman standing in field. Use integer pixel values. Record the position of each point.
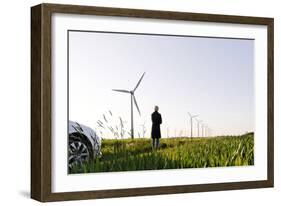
(155, 131)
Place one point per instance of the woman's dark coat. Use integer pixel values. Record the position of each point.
(156, 121)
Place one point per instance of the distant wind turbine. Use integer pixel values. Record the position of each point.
(206, 130)
(198, 126)
(133, 99)
(191, 122)
(202, 127)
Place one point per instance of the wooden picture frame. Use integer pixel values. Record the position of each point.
(41, 116)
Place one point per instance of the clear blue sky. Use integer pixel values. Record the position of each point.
(211, 77)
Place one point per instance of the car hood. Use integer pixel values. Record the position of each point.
(87, 131)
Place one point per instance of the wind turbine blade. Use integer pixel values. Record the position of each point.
(121, 90)
(189, 114)
(139, 81)
(136, 104)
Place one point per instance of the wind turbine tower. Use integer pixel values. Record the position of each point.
(191, 122)
(202, 128)
(133, 99)
(198, 126)
(206, 130)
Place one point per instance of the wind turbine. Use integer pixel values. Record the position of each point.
(133, 99)
(198, 125)
(206, 130)
(202, 127)
(191, 122)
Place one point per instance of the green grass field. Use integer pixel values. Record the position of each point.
(174, 153)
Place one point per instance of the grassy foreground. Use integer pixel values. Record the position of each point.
(174, 153)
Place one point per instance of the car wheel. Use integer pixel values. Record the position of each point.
(79, 150)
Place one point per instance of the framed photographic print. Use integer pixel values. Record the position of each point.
(128, 102)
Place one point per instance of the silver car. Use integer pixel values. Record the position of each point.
(83, 144)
